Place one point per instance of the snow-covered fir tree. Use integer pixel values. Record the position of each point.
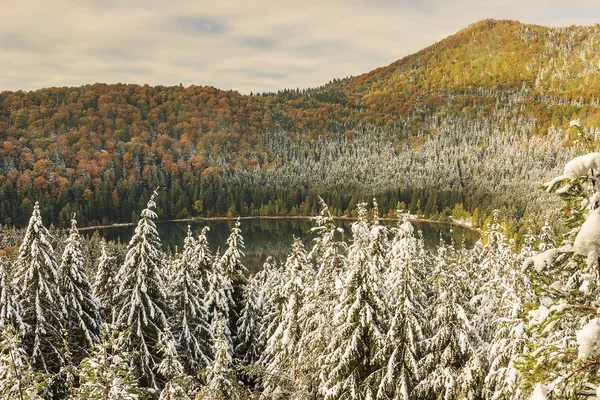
(10, 310)
(452, 366)
(359, 328)
(220, 374)
(104, 284)
(43, 309)
(18, 379)
(189, 317)
(270, 298)
(108, 372)
(219, 298)
(202, 257)
(562, 360)
(83, 311)
(322, 293)
(406, 299)
(280, 357)
(178, 385)
(231, 265)
(142, 299)
(248, 347)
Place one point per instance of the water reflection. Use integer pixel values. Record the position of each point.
(273, 237)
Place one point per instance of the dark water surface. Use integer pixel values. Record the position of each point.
(273, 237)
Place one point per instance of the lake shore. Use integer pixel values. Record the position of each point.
(299, 217)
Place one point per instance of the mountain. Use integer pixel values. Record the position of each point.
(472, 122)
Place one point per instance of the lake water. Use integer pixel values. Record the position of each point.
(272, 237)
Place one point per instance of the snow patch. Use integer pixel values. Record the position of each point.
(580, 166)
(539, 393)
(588, 238)
(588, 340)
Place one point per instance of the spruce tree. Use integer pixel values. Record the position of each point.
(358, 332)
(248, 347)
(104, 284)
(231, 265)
(220, 375)
(323, 290)
(280, 357)
(178, 384)
(219, 298)
(108, 371)
(10, 310)
(83, 315)
(142, 299)
(452, 367)
(401, 351)
(189, 320)
(43, 308)
(18, 379)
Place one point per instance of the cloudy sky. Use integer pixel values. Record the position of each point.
(246, 45)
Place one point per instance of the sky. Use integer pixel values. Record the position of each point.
(244, 45)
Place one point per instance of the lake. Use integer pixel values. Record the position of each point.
(273, 237)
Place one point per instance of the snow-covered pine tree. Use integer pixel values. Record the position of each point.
(452, 367)
(507, 334)
(104, 284)
(401, 351)
(323, 291)
(10, 310)
(219, 298)
(43, 308)
(142, 299)
(178, 384)
(248, 347)
(108, 372)
(83, 314)
(18, 379)
(232, 266)
(189, 318)
(220, 375)
(495, 262)
(203, 259)
(280, 357)
(359, 328)
(270, 297)
(562, 358)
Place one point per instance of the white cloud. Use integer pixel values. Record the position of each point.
(260, 45)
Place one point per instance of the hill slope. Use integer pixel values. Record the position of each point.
(469, 121)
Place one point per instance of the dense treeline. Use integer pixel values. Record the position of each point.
(98, 150)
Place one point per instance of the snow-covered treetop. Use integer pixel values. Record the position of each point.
(148, 211)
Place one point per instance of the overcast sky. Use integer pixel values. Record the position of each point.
(246, 45)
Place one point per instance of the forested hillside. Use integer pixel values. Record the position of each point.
(475, 121)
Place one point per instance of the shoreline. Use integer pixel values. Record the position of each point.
(300, 217)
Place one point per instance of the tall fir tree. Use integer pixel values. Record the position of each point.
(282, 372)
(142, 299)
(406, 297)
(18, 379)
(10, 310)
(108, 372)
(104, 284)
(189, 319)
(220, 374)
(359, 327)
(323, 291)
(43, 308)
(83, 311)
(219, 298)
(232, 266)
(248, 348)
